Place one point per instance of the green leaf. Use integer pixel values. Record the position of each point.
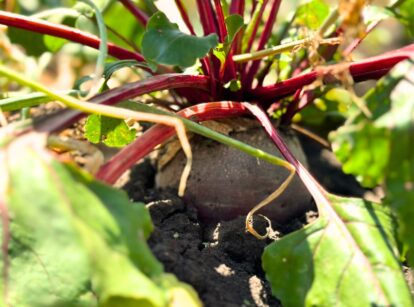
(163, 43)
(110, 131)
(328, 109)
(405, 14)
(112, 67)
(76, 235)
(32, 42)
(47, 263)
(399, 181)
(130, 29)
(312, 13)
(234, 24)
(379, 150)
(347, 257)
(54, 44)
(362, 145)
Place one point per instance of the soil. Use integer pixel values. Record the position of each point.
(220, 260)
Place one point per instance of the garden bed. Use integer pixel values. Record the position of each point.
(219, 259)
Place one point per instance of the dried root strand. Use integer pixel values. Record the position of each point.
(265, 202)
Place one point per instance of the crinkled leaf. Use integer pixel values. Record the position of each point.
(112, 132)
(347, 257)
(163, 43)
(312, 14)
(76, 235)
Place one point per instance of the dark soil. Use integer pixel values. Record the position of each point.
(220, 260)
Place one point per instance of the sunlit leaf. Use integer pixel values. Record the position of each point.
(234, 24)
(362, 145)
(399, 180)
(70, 236)
(112, 132)
(163, 43)
(405, 13)
(347, 257)
(312, 13)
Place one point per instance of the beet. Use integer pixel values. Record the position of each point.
(225, 183)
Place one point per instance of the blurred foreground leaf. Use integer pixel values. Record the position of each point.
(72, 241)
(347, 257)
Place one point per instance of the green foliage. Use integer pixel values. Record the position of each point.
(311, 14)
(163, 43)
(130, 29)
(234, 24)
(405, 13)
(110, 131)
(347, 257)
(70, 236)
(379, 149)
(327, 109)
(399, 181)
(362, 145)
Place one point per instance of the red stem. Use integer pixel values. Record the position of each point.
(65, 118)
(220, 20)
(355, 43)
(206, 16)
(157, 134)
(237, 7)
(74, 35)
(267, 32)
(209, 24)
(371, 68)
(136, 11)
(184, 16)
(311, 184)
(256, 26)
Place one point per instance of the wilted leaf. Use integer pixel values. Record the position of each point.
(347, 257)
(163, 43)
